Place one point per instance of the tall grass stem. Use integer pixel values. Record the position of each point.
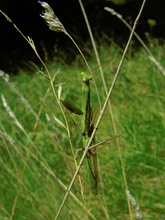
(97, 92)
(31, 43)
(103, 80)
(101, 116)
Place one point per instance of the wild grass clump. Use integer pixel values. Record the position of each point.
(44, 178)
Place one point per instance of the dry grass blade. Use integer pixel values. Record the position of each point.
(59, 122)
(135, 205)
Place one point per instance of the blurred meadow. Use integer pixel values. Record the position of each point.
(33, 142)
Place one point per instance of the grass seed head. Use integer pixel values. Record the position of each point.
(51, 19)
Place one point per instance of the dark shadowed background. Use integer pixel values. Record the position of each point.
(15, 52)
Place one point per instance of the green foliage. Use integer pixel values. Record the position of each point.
(34, 157)
(118, 2)
(151, 22)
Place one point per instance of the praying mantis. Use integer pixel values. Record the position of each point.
(87, 129)
(87, 126)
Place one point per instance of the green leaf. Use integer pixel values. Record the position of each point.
(151, 22)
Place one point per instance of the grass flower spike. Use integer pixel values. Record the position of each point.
(51, 19)
(54, 24)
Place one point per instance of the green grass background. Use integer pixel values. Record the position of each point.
(28, 191)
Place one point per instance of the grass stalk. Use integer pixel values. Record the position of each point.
(97, 92)
(106, 92)
(101, 116)
(55, 25)
(31, 43)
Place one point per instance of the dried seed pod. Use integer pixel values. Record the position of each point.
(51, 19)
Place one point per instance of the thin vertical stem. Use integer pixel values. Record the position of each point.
(86, 65)
(101, 115)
